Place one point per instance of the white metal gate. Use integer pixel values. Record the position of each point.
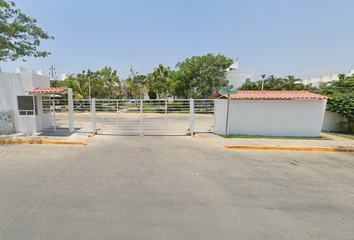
(166, 116)
(153, 116)
(56, 115)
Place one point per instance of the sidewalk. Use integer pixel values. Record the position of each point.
(331, 144)
(48, 137)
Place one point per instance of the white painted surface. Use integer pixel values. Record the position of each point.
(46, 120)
(331, 121)
(64, 76)
(271, 117)
(21, 70)
(16, 84)
(40, 81)
(239, 77)
(318, 81)
(71, 110)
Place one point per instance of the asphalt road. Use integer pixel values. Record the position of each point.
(172, 187)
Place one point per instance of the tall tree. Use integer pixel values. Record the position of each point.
(104, 84)
(206, 73)
(137, 84)
(157, 80)
(292, 83)
(19, 34)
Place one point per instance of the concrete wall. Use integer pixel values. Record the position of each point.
(40, 81)
(331, 121)
(271, 117)
(16, 84)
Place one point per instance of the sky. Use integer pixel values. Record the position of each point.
(305, 38)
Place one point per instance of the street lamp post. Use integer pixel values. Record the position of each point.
(88, 74)
(263, 76)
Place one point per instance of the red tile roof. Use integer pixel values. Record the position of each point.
(49, 90)
(271, 95)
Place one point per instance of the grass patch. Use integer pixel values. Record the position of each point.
(265, 137)
(343, 135)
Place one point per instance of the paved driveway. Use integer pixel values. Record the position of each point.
(172, 187)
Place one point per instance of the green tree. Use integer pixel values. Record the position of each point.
(206, 73)
(292, 83)
(157, 80)
(19, 34)
(136, 84)
(342, 93)
(272, 83)
(179, 84)
(57, 83)
(104, 84)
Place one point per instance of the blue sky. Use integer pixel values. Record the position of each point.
(305, 38)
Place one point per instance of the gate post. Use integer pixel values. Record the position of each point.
(191, 110)
(71, 110)
(93, 114)
(141, 118)
(54, 123)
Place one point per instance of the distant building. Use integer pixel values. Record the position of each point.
(238, 77)
(320, 81)
(64, 76)
(21, 70)
(40, 72)
(350, 72)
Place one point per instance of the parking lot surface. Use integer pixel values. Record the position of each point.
(172, 187)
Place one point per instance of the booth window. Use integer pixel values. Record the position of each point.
(27, 105)
(46, 104)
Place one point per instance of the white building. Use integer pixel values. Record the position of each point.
(64, 76)
(271, 113)
(238, 77)
(28, 110)
(320, 81)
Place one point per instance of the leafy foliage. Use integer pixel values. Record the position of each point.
(104, 84)
(273, 83)
(19, 34)
(137, 85)
(57, 83)
(342, 93)
(158, 79)
(206, 73)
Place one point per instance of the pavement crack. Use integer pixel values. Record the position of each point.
(66, 166)
(7, 224)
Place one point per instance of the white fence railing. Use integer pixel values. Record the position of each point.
(132, 116)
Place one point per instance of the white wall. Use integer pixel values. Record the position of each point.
(13, 85)
(40, 81)
(271, 117)
(331, 121)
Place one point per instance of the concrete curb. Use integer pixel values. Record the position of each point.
(290, 148)
(280, 148)
(40, 141)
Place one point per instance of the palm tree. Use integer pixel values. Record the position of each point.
(273, 83)
(80, 90)
(291, 82)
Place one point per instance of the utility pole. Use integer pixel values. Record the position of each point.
(88, 74)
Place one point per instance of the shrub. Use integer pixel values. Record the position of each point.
(346, 127)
